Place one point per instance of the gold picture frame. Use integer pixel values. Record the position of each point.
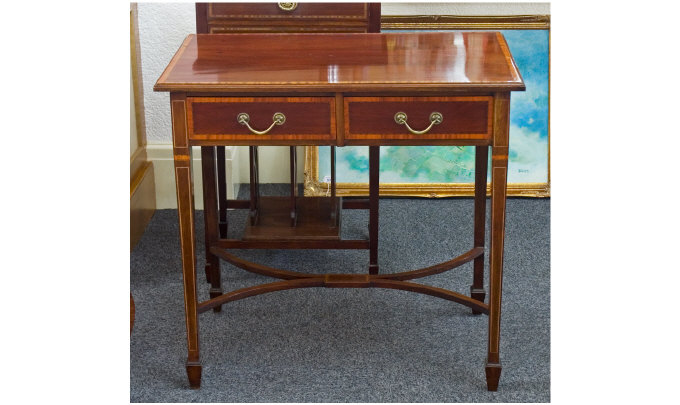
(312, 185)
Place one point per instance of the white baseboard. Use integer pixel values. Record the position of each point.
(164, 175)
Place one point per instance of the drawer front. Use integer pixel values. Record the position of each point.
(464, 119)
(270, 17)
(308, 119)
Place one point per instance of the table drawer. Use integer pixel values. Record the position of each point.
(282, 17)
(465, 119)
(309, 120)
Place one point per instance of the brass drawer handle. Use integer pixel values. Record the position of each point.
(287, 6)
(244, 119)
(435, 119)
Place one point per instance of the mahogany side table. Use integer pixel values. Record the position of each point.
(338, 89)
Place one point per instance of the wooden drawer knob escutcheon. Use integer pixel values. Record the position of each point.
(435, 119)
(244, 119)
(287, 6)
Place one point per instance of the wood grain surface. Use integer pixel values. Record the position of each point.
(307, 118)
(470, 61)
(373, 117)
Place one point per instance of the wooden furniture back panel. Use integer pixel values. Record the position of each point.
(272, 11)
(307, 118)
(218, 18)
(463, 117)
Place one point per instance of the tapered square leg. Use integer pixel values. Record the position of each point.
(293, 186)
(194, 374)
(209, 191)
(254, 185)
(211, 221)
(481, 168)
(332, 188)
(499, 174)
(222, 189)
(478, 294)
(185, 211)
(493, 375)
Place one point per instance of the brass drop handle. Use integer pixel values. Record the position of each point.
(435, 119)
(287, 6)
(244, 119)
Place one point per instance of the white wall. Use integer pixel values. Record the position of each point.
(163, 27)
(133, 119)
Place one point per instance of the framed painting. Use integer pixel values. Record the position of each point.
(444, 171)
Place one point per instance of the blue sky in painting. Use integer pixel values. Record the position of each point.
(529, 109)
(528, 157)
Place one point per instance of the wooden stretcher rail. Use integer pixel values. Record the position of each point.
(401, 276)
(468, 256)
(294, 279)
(291, 244)
(342, 281)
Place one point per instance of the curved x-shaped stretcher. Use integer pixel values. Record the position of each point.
(396, 281)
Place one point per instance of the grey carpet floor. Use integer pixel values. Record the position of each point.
(349, 345)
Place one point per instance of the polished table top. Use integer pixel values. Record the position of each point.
(470, 61)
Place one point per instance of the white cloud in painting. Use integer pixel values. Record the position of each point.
(346, 170)
(529, 102)
(528, 151)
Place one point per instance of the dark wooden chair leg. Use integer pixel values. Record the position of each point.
(293, 186)
(209, 179)
(333, 200)
(374, 199)
(254, 185)
(332, 171)
(499, 174)
(132, 313)
(256, 159)
(222, 190)
(212, 262)
(481, 165)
